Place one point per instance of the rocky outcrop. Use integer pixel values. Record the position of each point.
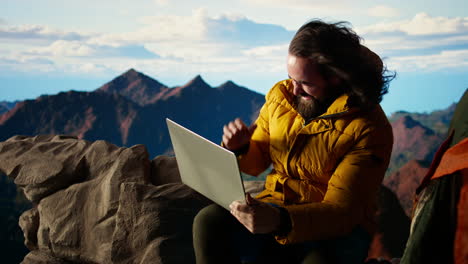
(98, 203)
(136, 86)
(405, 181)
(412, 141)
(393, 227)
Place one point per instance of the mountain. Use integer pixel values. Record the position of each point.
(6, 106)
(196, 106)
(405, 180)
(88, 115)
(131, 109)
(438, 121)
(135, 86)
(412, 140)
(3, 109)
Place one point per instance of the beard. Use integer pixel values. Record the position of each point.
(310, 109)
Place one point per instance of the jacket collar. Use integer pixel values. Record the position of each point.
(338, 107)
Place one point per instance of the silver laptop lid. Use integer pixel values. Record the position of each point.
(206, 167)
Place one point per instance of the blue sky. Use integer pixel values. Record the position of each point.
(50, 46)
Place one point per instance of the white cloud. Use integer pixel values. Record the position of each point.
(330, 5)
(421, 43)
(39, 32)
(386, 44)
(383, 11)
(26, 64)
(228, 43)
(268, 51)
(157, 29)
(421, 24)
(162, 2)
(445, 60)
(88, 68)
(198, 35)
(64, 48)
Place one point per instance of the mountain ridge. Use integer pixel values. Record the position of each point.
(136, 86)
(131, 109)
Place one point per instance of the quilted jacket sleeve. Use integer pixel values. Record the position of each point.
(354, 183)
(257, 159)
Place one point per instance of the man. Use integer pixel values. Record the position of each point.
(329, 144)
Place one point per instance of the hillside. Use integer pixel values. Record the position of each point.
(438, 120)
(131, 109)
(6, 106)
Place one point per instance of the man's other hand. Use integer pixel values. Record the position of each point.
(258, 217)
(236, 134)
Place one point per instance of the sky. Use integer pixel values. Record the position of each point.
(49, 46)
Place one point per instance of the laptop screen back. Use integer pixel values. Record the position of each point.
(206, 167)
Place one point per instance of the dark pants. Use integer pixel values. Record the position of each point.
(219, 238)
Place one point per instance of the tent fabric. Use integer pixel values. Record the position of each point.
(439, 228)
(461, 236)
(434, 164)
(432, 228)
(454, 159)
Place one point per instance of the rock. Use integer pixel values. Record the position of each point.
(97, 203)
(405, 181)
(164, 170)
(39, 257)
(42, 165)
(29, 223)
(393, 226)
(154, 223)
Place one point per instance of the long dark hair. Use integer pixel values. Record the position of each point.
(337, 50)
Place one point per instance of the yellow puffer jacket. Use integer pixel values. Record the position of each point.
(326, 173)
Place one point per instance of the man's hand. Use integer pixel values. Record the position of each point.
(237, 135)
(258, 217)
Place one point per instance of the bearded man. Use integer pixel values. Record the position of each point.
(329, 144)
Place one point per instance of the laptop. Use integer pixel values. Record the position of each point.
(206, 167)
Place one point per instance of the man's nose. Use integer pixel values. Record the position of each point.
(297, 88)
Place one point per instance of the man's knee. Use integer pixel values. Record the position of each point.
(211, 215)
(212, 220)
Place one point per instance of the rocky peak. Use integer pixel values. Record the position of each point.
(229, 85)
(135, 86)
(132, 73)
(196, 85)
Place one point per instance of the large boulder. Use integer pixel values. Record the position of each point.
(94, 202)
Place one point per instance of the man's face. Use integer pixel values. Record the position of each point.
(311, 90)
